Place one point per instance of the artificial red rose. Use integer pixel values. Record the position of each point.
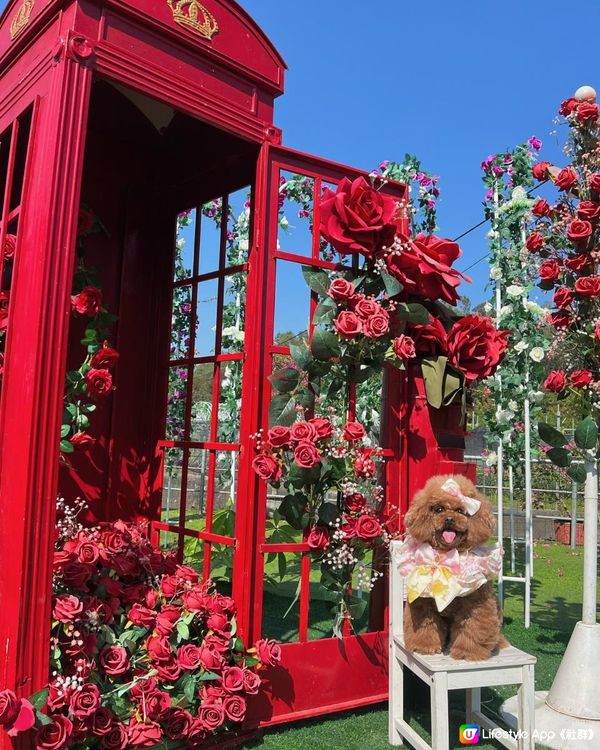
(424, 267)
(555, 381)
(560, 319)
(102, 721)
(159, 648)
(268, 652)
(355, 502)
(594, 182)
(404, 347)
(306, 454)
(232, 679)
(88, 301)
(576, 262)
(588, 286)
(67, 608)
(195, 599)
(8, 250)
(563, 297)
(341, 290)
(534, 242)
(368, 527)
(177, 723)
(540, 170)
(84, 702)
(9, 707)
(303, 431)
(141, 616)
(143, 733)
(597, 331)
(210, 658)
(566, 178)
(87, 551)
(348, 324)
(168, 670)
(549, 271)
(23, 721)
(251, 682)
(219, 623)
(61, 558)
(580, 378)
(196, 733)
(323, 427)
(55, 735)
(430, 338)
(116, 739)
(142, 689)
(279, 436)
(476, 347)
(85, 221)
(157, 704)
(318, 538)
(166, 619)
(267, 467)
(353, 431)
(378, 325)
(363, 465)
(211, 693)
(348, 528)
(356, 218)
(365, 307)
(540, 208)
(98, 383)
(187, 573)
(589, 210)
(76, 575)
(4, 302)
(235, 708)
(211, 717)
(569, 105)
(587, 111)
(82, 441)
(105, 358)
(188, 656)
(579, 231)
(114, 660)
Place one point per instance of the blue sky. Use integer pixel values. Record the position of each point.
(447, 81)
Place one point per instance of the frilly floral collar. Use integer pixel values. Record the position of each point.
(445, 575)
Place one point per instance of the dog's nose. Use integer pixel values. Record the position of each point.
(449, 522)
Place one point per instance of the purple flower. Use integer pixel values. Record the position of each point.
(535, 143)
(186, 308)
(508, 159)
(384, 165)
(436, 192)
(486, 164)
(489, 195)
(498, 171)
(431, 205)
(303, 213)
(182, 374)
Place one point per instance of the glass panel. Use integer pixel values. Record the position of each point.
(184, 245)
(202, 402)
(20, 158)
(238, 227)
(176, 403)
(206, 320)
(281, 608)
(210, 236)
(171, 493)
(181, 322)
(226, 478)
(234, 313)
(197, 489)
(4, 152)
(327, 251)
(230, 402)
(193, 553)
(292, 303)
(221, 567)
(294, 232)
(368, 404)
(168, 541)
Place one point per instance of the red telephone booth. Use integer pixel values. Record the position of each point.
(159, 115)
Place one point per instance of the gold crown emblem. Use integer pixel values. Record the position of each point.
(21, 18)
(195, 16)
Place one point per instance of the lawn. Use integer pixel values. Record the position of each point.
(557, 592)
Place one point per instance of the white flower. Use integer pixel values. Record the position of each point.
(515, 290)
(234, 333)
(519, 194)
(492, 234)
(533, 307)
(488, 307)
(504, 415)
(513, 405)
(536, 396)
(244, 244)
(491, 459)
(537, 354)
(505, 310)
(521, 346)
(284, 223)
(495, 273)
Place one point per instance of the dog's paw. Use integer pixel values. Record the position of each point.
(473, 653)
(427, 649)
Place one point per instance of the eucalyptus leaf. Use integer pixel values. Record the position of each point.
(550, 435)
(559, 457)
(577, 473)
(586, 434)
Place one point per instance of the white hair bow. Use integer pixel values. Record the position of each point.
(470, 504)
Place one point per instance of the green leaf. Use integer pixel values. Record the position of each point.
(285, 380)
(549, 435)
(42, 719)
(413, 312)
(298, 476)
(433, 374)
(38, 700)
(392, 285)
(306, 398)
(189, 687)
(328, 513)
(183, 632)
(66, 447)
(325, 311)
(586, 434)
(325, 345)
(300, 355)
(316, 279)
(355, 606)
(204, 676)
(559, 457)
(281, 565)
(293, 508)
(65, 430)
(282, 410)
(577, 473)
(452, 385)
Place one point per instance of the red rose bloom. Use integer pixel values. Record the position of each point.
(341, 290)
(251, 682)
(235, 708)
(355, 502)
(541, 208)
(555, 381)
(540, 170)
(580, 378)
(429, 339)
(560, 319)
(348, 324)
(323, 427)
(85, 221)
(549, 271)
(88, 301)
(141, 616)
(84, 702)
(102, 721)
(114, 660)
(159, 648)
(594, 182)
(476, 347)
(563, 297)
(566, 178)
(303, 431)
(157, 704)
(576, 262)
(534, 242)
(588, 286)
(10, 243)
(356, 218)
(82, 441)
(597, 331)
(23, 721)
(188, 656)
(579, 231)
(404, 347)
(378, 325)
(279, 436)
(364, 466)
(569, 105)
(318, 538)
(268, 652)
(105, 358)
(177, 723)
(9, 707)
(67, 608)
(368, 527)
(364, 307)
(267, 467)
(166, 619)
(587, 111)
(143, 733)
(98, 383)
(116, 739)
(588, 210)
(353, 431)
(232, 679)
(211, 716)
(306, 454)
(55, 735)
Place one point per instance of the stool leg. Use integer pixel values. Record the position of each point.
(396, 698)
(440, 729)
(473, 703)
(526, 701)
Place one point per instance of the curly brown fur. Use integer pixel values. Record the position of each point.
(469, 627)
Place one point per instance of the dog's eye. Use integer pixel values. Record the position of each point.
(461, 511)
(438, 508)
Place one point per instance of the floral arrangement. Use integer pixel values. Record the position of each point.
(566, 238)
(411, 172)
(142, 652)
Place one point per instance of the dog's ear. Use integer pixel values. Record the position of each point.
(481, 524)
(417, 519)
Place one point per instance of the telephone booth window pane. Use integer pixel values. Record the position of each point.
(238, 227)
(292, 303)
(296, 210)
(234, 313)
(202, 402)
(210, 237)
(230, 402)
(281, 608)
(20, 159)
(177, 403)
(197, 490)
(5, 143)
(186, 241)
(206, 317)
(181, 322)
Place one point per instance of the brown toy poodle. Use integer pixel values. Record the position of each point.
(446, 523)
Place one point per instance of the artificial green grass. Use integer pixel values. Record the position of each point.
(556, 607)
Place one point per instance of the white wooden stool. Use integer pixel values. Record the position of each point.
(442, 673)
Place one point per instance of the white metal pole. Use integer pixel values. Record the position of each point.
(511, 501)
(528, 507)
(590, 545)
(500, 451)
(574, 516)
